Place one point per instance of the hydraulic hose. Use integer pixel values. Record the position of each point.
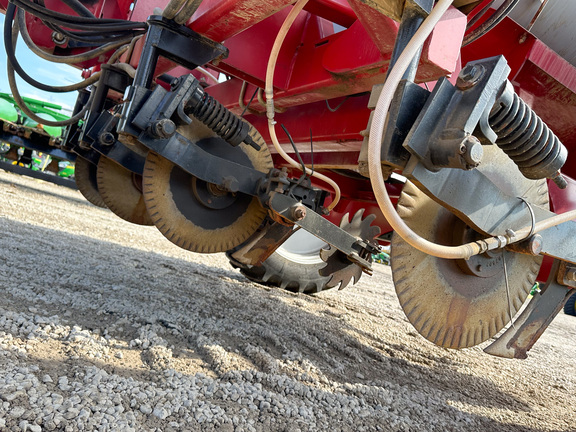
(269, 90)
(78, 58)
(181, 10)
(502, 12)
(22, 104)
(375, 169)
(10, 37)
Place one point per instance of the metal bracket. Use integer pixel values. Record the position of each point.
(261, 244)
(493, 211)
(177, 43)
(408, 102)
(534, 320)
(444, 135)
(357, 250)
(104, 141)
(212, 169)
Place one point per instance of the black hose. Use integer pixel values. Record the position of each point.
(78, 58)
(94, 26)
(22, 104)
(70, 19)
(495, 19)
(96, 38)
(13, 62)
(479, 15)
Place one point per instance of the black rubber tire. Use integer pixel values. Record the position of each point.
(281, 272)
(570, 305)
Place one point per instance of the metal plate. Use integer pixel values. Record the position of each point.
(121, 190)
(454, 303)
(196, 215)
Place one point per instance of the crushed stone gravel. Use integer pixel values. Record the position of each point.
(107, 326)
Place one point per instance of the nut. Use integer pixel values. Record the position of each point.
(107, 138)
(298, 212)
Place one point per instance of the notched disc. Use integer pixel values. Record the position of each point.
(85, 174)
(456, 303)
(121, 190)
(199, 216)
(341, 270)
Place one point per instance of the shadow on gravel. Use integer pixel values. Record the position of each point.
(217, 321)
(53, 192)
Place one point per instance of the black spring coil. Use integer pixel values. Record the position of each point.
(526, 139)
(214, 115)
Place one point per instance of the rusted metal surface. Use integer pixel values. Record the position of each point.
(455, 303)
(534, 320)
(389, 8)
(566, 275)
(261, 244)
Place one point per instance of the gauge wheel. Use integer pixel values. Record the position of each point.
(294, 266)
(570, 305)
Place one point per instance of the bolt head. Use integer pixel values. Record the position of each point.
(468, 72)
(473, 152)
(298, 212)
(107, 138)
(469, 76)
(164, 128)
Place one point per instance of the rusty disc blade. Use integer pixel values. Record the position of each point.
(121, 191)
(456, 303)
(85, 176)
(199, 216)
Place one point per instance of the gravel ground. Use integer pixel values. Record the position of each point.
(106, 325)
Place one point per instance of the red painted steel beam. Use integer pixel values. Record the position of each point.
(315, 66)
(336, 11)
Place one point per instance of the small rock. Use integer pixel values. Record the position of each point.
(161, 413)
(145, 409)
(46, 379)
(119, 355)
(17, 412)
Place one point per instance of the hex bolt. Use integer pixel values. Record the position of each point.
(298, 212)
(469, 76)
(164, 128)
(471, 151)
(107, 138)
(230, 184)
(468, 72)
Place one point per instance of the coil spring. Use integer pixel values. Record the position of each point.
(214, 115)
(526, 139)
